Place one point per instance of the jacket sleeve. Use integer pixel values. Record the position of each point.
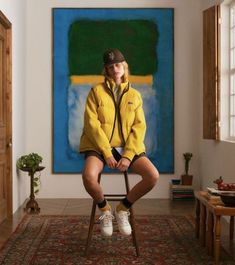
(92, 126)
(135, 140)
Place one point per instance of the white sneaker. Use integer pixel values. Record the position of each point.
(123, 222)
(106, 224)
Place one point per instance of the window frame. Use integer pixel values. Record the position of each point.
(231, 92)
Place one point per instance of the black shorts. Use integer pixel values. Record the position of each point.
(116, 155)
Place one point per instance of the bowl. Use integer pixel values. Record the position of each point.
(228, 199)
(175, 181)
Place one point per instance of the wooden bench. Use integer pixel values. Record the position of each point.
(208, 223)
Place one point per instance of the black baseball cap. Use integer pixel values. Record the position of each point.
(112, 56)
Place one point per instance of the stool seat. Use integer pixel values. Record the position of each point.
(113, 197)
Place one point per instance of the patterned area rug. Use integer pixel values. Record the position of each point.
(60, 240)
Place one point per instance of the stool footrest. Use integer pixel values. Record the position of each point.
(114, 195)
(113, 199)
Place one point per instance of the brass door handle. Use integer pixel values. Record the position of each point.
(9, 144)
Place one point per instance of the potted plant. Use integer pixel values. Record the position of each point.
(187, 179)
(31, 163)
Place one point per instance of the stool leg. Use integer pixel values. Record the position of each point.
(231, 230)
(91, 225)
(132, 218)
(135, 242)
(92, 222)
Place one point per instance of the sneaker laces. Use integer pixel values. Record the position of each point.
(105, 218)
(123, 217)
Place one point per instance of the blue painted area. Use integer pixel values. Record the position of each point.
(65, 158)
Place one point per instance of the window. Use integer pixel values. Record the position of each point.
(231, 93)
(227, 85)
(219, 72)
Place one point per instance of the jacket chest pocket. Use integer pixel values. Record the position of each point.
(129, 114)
(130, 107)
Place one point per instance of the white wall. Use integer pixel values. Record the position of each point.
(15, 12)
(208, 3)
(188, 50)
(216, 158)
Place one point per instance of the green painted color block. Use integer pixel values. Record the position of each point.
(137, 39)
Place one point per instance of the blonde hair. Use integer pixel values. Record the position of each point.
(125, 77)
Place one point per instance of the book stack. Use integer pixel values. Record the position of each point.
(217, 192)
(213, 195)
(182, 192)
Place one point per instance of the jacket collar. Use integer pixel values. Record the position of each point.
(110, 84)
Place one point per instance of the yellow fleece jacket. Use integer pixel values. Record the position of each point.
(101, 112)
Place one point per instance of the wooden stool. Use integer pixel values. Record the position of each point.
(113, 197)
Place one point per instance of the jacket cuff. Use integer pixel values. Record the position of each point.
(128, 154)
(107, 153)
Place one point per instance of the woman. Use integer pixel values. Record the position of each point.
(114, 131)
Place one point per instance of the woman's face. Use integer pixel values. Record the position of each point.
(115, 71)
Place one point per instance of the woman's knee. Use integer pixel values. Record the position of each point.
(153, 178)
(90, 179)
(93, 166)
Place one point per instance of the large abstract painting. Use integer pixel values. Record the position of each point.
(146, 38)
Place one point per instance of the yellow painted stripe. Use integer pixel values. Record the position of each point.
(86, 79)
(94, 79)
(141, 79)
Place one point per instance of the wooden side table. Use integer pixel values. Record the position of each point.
(208, 223)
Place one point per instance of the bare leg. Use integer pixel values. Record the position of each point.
(143, 167)
(92, 169)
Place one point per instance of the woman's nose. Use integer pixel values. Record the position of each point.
(115, 68)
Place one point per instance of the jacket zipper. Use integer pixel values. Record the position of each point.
(119, 116)
(116, 111)
(115, 116)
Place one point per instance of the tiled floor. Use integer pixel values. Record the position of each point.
(83, 207)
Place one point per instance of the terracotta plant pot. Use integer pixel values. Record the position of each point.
(186, 179)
